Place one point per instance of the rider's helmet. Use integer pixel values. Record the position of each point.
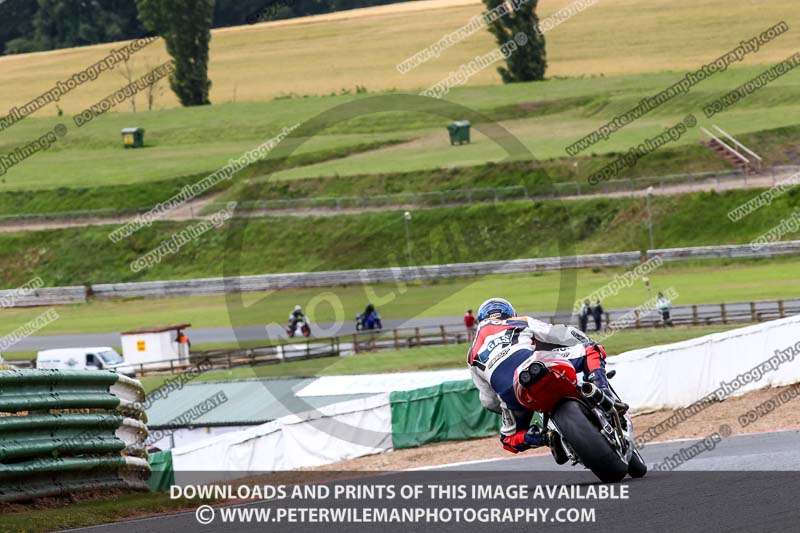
(298, 308)
(495, 308)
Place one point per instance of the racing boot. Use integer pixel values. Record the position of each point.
(556, 447)
(598, 379)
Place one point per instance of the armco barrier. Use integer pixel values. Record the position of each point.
(450, 411)
(734, 251)
(297, 280)
(98, 444)
(43, 296)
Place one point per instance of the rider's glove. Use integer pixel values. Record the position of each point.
(523, 440)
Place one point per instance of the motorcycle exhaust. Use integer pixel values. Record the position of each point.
(597, 396)
(534, 373)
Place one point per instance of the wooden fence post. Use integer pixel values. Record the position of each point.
(396, 340)
(444, 334)
(355, 343)
(753, 317)
(724, 313)
(695, 320)
(419, 339)
(637, 323)
(781, 310)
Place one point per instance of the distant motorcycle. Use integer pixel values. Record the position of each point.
(301, 327)
(373, 321)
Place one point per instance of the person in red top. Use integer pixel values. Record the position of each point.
(469, 322)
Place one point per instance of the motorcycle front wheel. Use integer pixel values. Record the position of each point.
(637, 467)
(573, 421)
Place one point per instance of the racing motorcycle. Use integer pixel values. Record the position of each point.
(301, 327)
(592, 427)
(373, 321)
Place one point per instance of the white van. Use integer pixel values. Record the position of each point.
(99, 358)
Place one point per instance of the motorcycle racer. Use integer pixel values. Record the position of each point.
(503, 342)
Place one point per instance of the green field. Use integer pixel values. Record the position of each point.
(340, 51)
(199, 140)
(89, 169)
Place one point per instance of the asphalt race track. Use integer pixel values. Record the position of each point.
(744, 483)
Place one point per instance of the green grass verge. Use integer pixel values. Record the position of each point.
(93, 511)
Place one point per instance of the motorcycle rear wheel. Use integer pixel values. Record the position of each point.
(585, 439)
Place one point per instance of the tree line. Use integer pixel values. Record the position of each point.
(38, 25)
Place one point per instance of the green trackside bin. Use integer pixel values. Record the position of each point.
(459, 132)
(133, 137)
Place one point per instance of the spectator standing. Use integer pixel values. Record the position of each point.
(663, 305)
(583, 316)
(597, 313)
(184, 344)
(469, 323)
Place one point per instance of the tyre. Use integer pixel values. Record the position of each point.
(585, 439)
(637, 466)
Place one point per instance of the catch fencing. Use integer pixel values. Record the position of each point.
(67, 431)
(444, 334)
